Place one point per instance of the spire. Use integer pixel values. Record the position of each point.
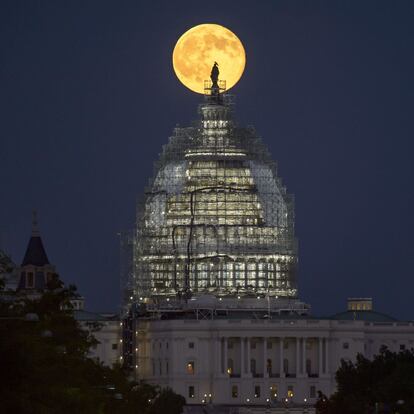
(35, 252)
(35, 228)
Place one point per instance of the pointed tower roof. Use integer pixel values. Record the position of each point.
(35, 252)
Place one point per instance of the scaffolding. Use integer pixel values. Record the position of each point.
(215, 218)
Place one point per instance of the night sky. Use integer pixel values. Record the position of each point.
(88, 97)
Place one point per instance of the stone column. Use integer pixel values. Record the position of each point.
(242, 367)
(225, 363)
(304, 357)
(217, 356)
(248, 367)
(327, 356)
(320, 357)
(281, 357)
(265, 373)
(297, 350)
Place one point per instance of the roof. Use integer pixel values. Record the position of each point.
(85, 316)
(35, 253)
(363, 315)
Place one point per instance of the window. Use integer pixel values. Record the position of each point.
(234, 391)
(191, 345)
(253, 344)
(345, 345)
(257, 391)
(273, 392)
(290, 391)
(402, 347)
(286, 366)
(30, 280)
(114, 346)
(285, 344)
(269, 366)
(190, 367)
(230, 366)
(191, 391)
(160, 367)
(253, 366)
(308, 366)
(166, 367)
(269, 344)
(312, 391)
(230, 345)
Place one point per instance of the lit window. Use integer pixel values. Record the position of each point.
(290, 391)
(190, 367)
(273, 392)
(191, 391)
(230, 366)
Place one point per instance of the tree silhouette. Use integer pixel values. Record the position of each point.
(382, 385)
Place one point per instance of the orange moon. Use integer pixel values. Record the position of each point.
(198, 48)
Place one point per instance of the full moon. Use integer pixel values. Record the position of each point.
(198, 48)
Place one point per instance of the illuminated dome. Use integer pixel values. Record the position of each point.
(215, 219)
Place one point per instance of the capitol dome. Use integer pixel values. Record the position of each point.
(215, 218)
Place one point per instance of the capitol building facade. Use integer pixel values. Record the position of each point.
(211, 303)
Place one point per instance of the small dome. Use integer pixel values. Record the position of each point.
(368, 316)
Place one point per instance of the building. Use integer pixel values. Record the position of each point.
(35, 270)
(216, 218)
(30, 279)
(211, 300)
(106, 328)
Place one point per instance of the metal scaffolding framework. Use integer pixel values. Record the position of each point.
(215, 218)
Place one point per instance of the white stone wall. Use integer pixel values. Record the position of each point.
(109, 348)
(312, 348)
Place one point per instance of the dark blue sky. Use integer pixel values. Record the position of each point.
(88, 97)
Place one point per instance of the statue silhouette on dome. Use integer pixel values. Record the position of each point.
(214, 76)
